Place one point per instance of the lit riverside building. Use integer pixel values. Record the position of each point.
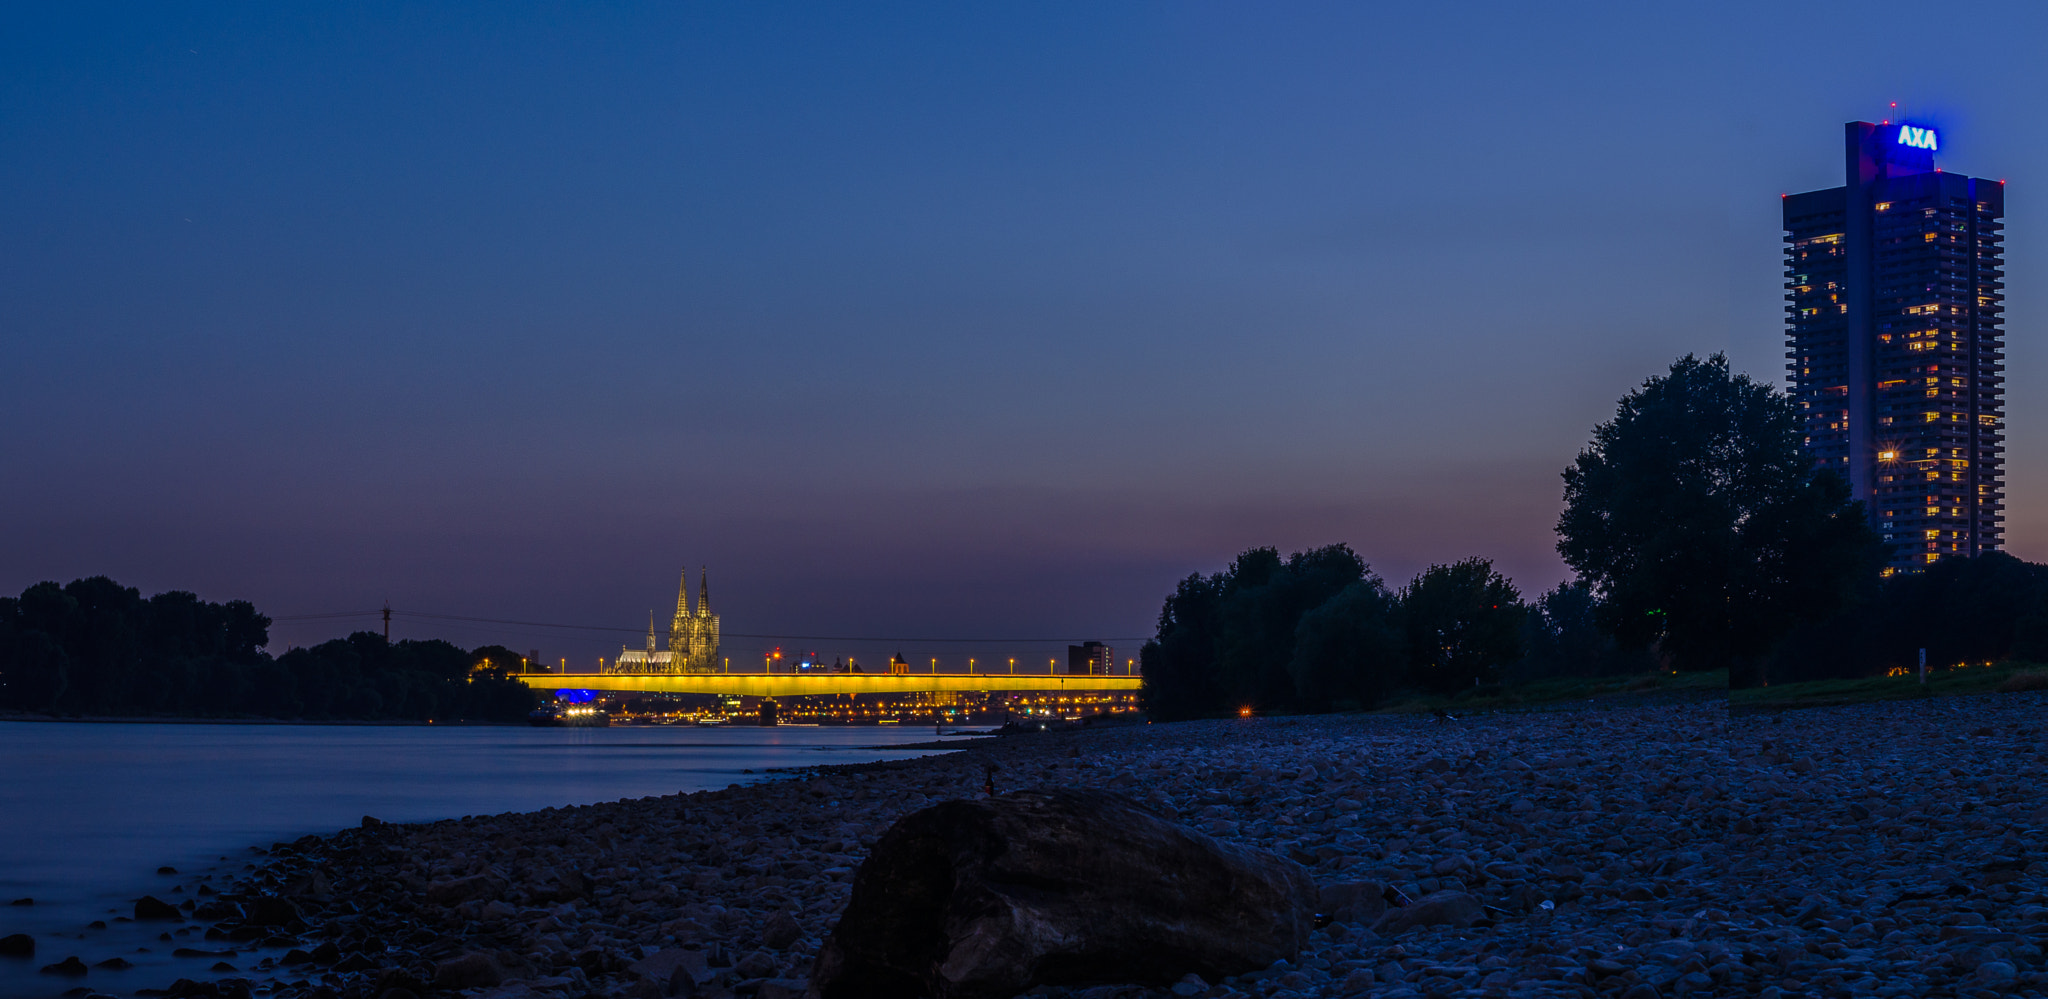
(1894, 341)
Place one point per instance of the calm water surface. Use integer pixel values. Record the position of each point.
(88, 812)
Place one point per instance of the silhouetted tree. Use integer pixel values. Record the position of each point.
(1961, 610)
(1696, 516)
(1227, 641)
(495, 660)
(1260, 613)
(1563, 637)
(2030, 636)
(1964, 610)
(96, 647)
(1349, 652)
(1179, 666)
(1464, 623)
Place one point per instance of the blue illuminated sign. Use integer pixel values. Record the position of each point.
(1918, 138)
(577, 696)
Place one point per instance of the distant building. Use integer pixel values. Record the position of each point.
(1091, 659)
(692, 638)
(897, 665)
(1895, 341)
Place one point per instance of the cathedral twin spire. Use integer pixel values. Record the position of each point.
(693, 636)
(683, 610)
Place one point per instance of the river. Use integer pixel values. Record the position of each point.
(89, 812)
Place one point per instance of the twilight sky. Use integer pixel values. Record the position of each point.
(935, 320)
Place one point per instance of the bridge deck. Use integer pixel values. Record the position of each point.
(794, 685)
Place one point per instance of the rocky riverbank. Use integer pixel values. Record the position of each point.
(1659, 850)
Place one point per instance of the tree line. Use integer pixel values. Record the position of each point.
(1319, 631)
(94, 647)
(1702, 536)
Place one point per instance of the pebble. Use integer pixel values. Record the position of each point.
(1653, 849)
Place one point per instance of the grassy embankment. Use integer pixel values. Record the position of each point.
(1537, 693)
(2006, 676)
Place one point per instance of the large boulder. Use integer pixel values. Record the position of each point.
(986, 899)
(269, 910)
(151, 907)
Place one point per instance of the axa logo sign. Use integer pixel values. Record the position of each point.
(1918, 138)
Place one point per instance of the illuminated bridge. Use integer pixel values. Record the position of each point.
(817, 684)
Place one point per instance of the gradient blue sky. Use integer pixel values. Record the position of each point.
(957, 320)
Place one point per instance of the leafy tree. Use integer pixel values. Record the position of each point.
(1463, 622)
(1349, 652)
(1699, 521)
(1179, 664)
(2030, 637)
(1964, 610)
(1261, 611)
(496, 660)
(34, 671)
(1227, 640)
(1961, 610)
(96, 647)
(1563, 637)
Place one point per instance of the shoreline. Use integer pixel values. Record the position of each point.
(189, 720)
(1671, 846)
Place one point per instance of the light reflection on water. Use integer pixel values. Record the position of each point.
(88, 812)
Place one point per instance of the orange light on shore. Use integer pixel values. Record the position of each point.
(1244, 712)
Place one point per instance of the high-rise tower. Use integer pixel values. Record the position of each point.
(1895, 341)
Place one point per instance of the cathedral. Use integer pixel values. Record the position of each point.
(692, 637)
